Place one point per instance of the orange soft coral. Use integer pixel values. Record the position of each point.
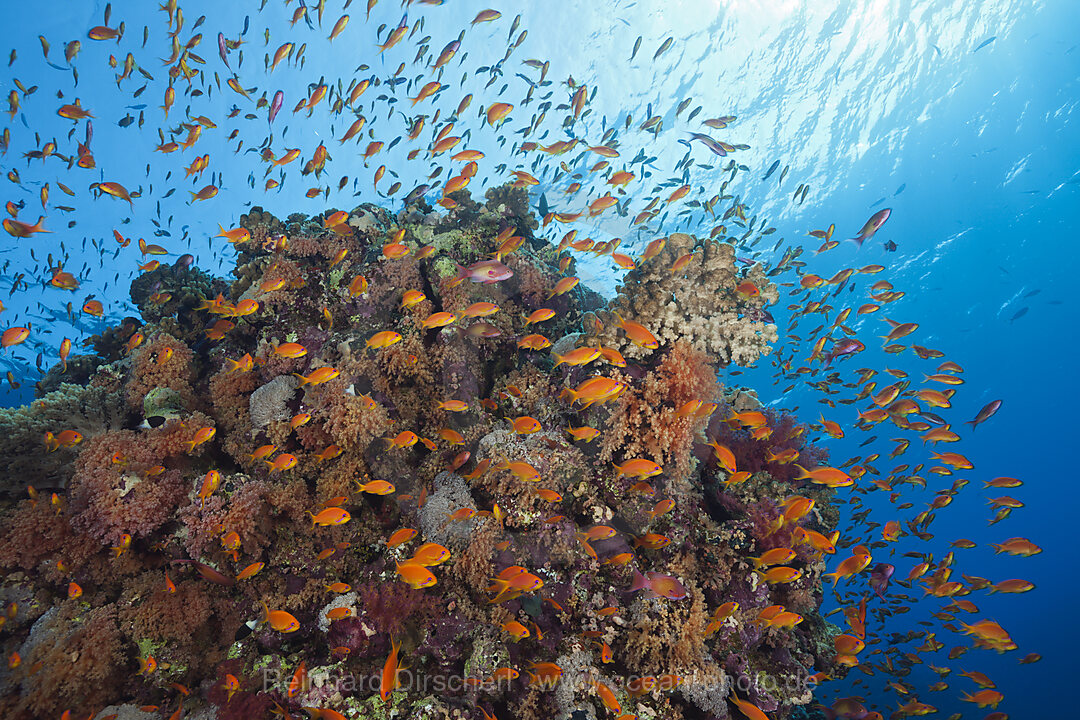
(646, 420)
(81, 659)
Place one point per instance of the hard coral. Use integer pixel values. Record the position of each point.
(699, 304)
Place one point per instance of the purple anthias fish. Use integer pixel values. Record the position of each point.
(841, 348)
(223, 51)
(658, 584)
(985, 414)
(416, 193)
(872, 226)
(880, 575)
(275, 106)
(713, 145)
(485, 271)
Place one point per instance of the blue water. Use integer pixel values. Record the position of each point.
(973, 144)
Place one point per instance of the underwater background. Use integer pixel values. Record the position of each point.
(957, 116)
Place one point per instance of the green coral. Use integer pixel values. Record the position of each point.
(445, 267)
(162, 403)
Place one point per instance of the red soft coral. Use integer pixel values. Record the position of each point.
(755, 455)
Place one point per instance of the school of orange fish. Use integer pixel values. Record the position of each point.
(866, 400)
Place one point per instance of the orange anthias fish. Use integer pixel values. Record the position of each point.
(400, 537)
(389, 681)
(430, 554)
(637, 333)
(383, 339)
(658, 584)
(318, 376)
(828, 476)
(14, 336)
(376, 487)
(280, 620)
(415, 575)
(853, 565)
(290, 350)
(202, 435)
(639, 468)
(330, 516)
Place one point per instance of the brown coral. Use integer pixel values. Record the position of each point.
(699, 303)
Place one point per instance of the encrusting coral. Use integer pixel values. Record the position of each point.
(366, 434)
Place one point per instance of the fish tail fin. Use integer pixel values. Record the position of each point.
(639, 582)
(303, 380)
(802, 472)
(560, 358)
(463, 273)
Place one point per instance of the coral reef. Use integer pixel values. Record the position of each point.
(360, 443)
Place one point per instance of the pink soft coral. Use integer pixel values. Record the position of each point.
(112, 491)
